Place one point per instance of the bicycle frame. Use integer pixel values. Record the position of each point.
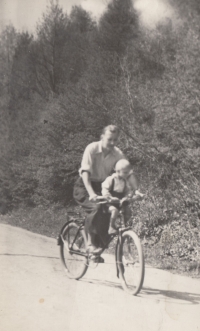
(60, 238)
(72, 240)
(81, 227)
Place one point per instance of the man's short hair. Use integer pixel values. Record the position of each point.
(111, 128)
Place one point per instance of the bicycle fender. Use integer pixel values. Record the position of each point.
(116, 249)
(71, 220)
(59, 239)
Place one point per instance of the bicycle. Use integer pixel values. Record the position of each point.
(129, 256)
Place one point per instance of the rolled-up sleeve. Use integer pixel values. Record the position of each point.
(86, 164)
(106, 186)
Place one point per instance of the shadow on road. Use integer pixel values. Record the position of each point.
(147, 292)
(191, 298)
(102, 282)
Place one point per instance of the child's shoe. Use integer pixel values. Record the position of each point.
(112, 230)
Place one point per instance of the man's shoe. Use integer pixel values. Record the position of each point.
(97, 259)
(101, 260)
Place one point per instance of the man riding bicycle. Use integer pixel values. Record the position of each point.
(98, 162)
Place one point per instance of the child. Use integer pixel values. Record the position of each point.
(119, 185)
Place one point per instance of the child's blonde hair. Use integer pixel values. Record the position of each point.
(122, 164)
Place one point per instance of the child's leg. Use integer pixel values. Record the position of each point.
(114, 213)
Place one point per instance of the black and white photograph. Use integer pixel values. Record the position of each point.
(99, 165)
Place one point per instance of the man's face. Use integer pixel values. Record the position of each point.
(109, 140)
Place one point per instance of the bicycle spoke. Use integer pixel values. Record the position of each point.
(131, 264)
(73, 251)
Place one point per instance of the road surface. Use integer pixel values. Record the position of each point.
(36, 295)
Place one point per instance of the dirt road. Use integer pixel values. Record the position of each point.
(36, 295)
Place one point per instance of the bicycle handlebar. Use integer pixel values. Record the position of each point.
(122, 201)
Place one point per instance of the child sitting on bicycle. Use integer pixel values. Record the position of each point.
(118, 188)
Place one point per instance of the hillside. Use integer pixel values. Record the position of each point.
(60, 87)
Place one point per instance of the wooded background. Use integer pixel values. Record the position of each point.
(62, 85)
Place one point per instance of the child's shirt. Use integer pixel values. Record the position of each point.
(115, 186)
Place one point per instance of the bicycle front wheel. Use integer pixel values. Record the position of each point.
(130, 262)
(73, 250)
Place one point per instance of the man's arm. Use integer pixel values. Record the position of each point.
(87, 160)
(87, 182)
(86, 169)
(106, 186)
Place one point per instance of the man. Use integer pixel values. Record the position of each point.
(97, 164)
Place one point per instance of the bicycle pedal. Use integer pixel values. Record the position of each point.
(96, 259)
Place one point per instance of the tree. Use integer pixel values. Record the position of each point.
(48, 51)
(22, 82)
(79, 48)
(8, 42)
(118, 26)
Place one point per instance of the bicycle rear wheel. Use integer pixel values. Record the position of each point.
(130, 261)
(73, 251)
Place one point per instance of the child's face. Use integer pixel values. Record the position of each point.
(123, 173)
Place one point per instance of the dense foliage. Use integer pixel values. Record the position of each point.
(61, 86)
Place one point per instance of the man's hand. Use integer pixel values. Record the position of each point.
(113, 199)
(107, 199)
(97, 198)
(123, 200)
